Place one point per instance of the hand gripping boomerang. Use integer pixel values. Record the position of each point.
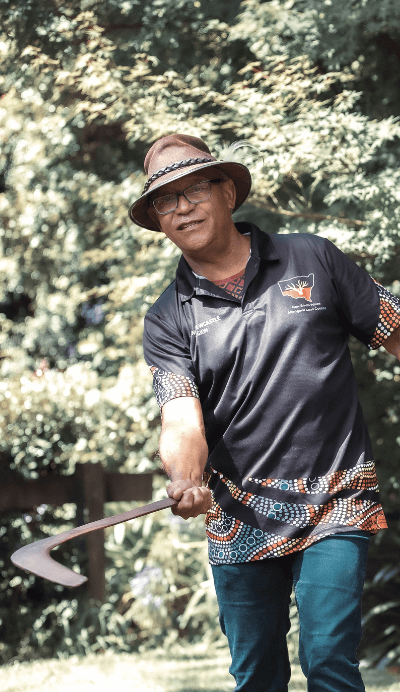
(36, 558)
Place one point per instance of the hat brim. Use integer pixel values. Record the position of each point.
(240, 174)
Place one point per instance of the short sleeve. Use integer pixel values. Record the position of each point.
(357, 291)
(168, 357)
(389, 316)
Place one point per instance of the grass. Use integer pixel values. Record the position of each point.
(189, 669)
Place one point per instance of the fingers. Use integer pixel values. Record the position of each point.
(177, 488)
(193, 500)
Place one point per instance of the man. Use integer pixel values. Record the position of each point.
(249, 352)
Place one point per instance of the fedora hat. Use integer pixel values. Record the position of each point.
(176, 156)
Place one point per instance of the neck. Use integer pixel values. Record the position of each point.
(218, 263)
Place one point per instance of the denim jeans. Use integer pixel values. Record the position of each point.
(254, 598)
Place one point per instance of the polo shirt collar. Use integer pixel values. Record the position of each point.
(262, 247)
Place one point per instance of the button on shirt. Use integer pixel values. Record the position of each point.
(290, 458)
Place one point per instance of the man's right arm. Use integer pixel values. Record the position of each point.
(184, 452)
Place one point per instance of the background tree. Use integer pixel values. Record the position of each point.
(86, 87)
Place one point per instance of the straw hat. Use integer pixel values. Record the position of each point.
(177, 156)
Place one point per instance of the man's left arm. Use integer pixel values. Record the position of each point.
(392, 343)
(371, 311)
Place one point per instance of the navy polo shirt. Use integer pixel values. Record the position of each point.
(290, 458)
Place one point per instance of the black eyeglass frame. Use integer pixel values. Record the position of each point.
(182, 192)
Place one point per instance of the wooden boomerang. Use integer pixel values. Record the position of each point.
(35, 557)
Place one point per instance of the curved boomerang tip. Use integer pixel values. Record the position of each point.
(46, 567)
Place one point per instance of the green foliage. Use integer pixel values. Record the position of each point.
(24, 597)
(361, 37)
(86, 86)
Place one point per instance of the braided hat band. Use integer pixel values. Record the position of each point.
(173, 167)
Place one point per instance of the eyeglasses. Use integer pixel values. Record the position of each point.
(194, 194)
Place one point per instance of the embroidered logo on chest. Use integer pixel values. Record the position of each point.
(298, 287)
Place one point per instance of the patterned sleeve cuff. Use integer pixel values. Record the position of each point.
(168, 386)
(389, 316)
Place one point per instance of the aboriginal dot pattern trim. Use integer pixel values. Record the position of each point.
(231, 541)
(361, 477)
(336, 510)
(168, 386)
(389, 316)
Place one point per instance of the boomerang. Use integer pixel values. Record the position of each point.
(36, 558)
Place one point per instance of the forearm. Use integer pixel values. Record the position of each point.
(392, 343)
(184, 452)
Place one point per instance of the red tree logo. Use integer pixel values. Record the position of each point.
(298, 286)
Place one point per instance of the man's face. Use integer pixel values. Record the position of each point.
(194, 227)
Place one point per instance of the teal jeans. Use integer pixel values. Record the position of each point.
(254, 598)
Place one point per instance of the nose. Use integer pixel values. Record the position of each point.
(183, 204)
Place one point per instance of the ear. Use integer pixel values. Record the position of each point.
(154, 216)
(229, 191)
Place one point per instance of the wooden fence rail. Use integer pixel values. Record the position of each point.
(90, 487)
